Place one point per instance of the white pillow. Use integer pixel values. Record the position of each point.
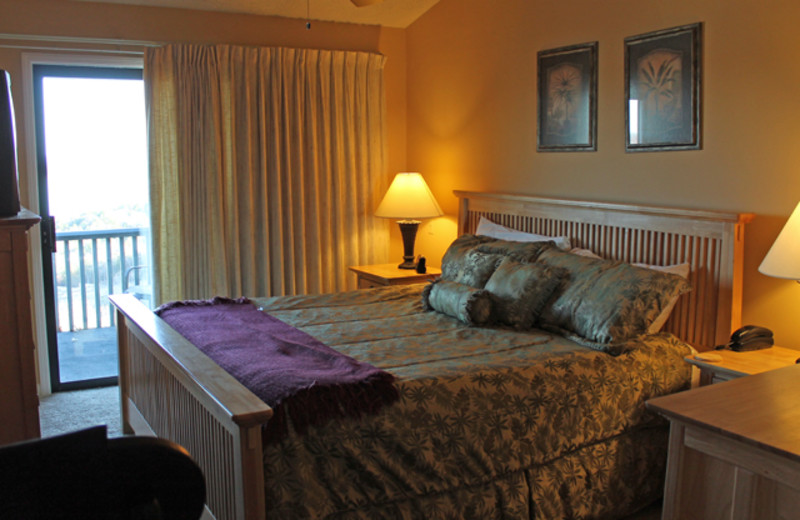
(681, 270)
(588, 253)
(488, 228)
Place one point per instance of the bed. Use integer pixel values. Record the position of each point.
(537, 468)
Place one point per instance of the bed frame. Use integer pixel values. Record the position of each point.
(170, 389)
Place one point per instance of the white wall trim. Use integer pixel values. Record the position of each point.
(28, 61)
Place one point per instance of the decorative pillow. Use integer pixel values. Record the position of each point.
(477, 268)
(520, 290)
(467, 304)
(453, 258)
(681, 270)
(471, 268)
(607, 302)
(521, 251)
(488, 228)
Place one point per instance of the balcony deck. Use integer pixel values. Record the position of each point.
(87, 267)
(87, 354)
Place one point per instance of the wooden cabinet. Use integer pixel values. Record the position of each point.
(389, 274)
(734, 449)
(19, 402)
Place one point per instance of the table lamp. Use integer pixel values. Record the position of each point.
(408, 198)
(783, 258)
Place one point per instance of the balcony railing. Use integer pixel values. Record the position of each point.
(90, 265)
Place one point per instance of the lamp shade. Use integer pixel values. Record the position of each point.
(408, 197)
(783, 258)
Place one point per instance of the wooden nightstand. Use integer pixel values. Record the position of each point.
(738, 364)
(388, 274)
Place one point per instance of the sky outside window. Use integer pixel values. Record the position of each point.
(96, 145)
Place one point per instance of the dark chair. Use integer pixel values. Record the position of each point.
(85, 475)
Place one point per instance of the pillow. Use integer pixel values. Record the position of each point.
(467, 304)
(476, 268)
(605, 302)
(584, 252)
(520, 290)
(681, 270)
(453, 258)
(488, 228)
(521, 251)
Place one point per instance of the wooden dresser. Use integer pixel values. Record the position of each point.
(734, 449)
(19, 404)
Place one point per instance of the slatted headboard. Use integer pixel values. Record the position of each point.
(711, 242)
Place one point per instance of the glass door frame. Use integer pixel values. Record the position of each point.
(45, 330)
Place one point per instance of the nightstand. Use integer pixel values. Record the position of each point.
(389, 274)
(738, 364)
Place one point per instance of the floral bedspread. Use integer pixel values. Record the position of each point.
(491, 422)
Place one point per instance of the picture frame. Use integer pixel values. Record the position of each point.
(663, 103)
(567, 99)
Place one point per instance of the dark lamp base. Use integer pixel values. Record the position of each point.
(408, 229)
(408, 264)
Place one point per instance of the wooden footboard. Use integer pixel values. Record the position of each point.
(170, 389)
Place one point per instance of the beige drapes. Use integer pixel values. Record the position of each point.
(266, 165)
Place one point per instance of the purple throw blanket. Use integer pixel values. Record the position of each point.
(289, 370)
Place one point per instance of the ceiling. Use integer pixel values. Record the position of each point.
(388, 13)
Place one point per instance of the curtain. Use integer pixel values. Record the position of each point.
(266, 165)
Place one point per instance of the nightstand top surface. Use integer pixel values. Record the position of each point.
(392, 272)
(747, 363)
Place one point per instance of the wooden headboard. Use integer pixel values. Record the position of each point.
(711, 242)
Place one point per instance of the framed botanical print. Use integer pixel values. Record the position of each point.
(662, 90)
(567, 109)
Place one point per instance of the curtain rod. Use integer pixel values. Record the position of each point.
(73, 40)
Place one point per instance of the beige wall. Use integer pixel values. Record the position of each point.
(472, 117)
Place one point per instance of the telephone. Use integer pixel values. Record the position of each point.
(750, 337)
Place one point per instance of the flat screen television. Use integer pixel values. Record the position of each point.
(9, 189)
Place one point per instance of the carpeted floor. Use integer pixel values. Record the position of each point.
(64, 412)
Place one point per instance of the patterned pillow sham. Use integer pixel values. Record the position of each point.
(467, 304)
(454, 258)
(604, 302)
(466, 260)
(681, 270)
(521, 251)
(471, 267)
(520, 290)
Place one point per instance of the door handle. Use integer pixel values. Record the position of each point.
(49, 234)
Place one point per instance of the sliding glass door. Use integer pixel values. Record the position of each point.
(93, 197)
